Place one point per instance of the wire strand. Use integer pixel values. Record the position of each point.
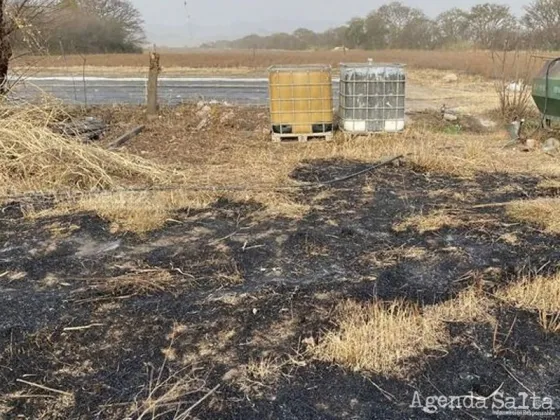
(69, 195)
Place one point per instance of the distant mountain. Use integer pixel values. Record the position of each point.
(192, 35)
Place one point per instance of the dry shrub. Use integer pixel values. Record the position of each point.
(477, 62)
(168, 397)
(386, 338)
(265, 369)
(430, 222)
(260, 374)
(513, 73)
(138, 282)
(542, 212)
(34, 158)
(540, 294)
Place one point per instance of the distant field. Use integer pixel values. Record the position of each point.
(248, 62)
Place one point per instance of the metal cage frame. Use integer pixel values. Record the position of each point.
(372, 97)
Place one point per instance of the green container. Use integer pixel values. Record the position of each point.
(551, 110)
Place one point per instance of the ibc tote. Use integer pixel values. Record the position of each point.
(372, 97)
(301, 100)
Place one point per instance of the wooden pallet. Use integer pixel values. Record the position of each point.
(302, 138)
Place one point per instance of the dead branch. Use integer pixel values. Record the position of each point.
(45, 388)
(126, 137)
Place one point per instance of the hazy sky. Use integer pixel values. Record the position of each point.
(172, 23)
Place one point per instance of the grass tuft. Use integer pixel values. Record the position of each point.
(379, 337)
(138, 282)
(142, 212)
(539, 294)
(390, 338)
(542, 212)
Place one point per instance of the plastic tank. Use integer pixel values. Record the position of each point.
(372, 97)
(301, 99)
(549, 107)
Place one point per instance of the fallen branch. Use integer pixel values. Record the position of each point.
(516, 379)
(126, 137)
(85, 327)
(390, 397)
(45, 388)
(187, 413)
(28, 396)
(487, 206)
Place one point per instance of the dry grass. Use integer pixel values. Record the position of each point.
(167, 397)
(390, 257)
(390, 338)
(379, 337)
(470, 62)
(138, 282)
(540, 294)
(265, 369)
(549, 184)
(260, 374)
(471, 306)
(145, 211)
(36, 159)
(140, 211)
(430, 222)
(33, 158)
(222, 162)
(12, 276)
(48, 405)
(542, 212)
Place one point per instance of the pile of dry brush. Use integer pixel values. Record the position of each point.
(34, 158)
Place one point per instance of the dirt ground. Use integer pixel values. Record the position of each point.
(216, 313)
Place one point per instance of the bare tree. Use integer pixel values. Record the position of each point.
(491, 24)
(542, 21)
(377, 31)
(307, 38)
(120, 12)
(452, 26)
(406, 27)
(356, 35)
(19, 18)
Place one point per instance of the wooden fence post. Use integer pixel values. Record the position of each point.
(152, 100)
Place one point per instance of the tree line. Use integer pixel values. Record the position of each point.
(74, 26)
(397, 26)
(67, 27)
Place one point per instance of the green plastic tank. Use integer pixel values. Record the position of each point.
(549, 107)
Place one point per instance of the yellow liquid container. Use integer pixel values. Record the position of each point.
(301, 100)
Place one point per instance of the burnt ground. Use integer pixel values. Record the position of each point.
(246, 287)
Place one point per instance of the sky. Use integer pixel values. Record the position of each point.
(175, 24)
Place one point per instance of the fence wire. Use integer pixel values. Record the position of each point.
(72, 195)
